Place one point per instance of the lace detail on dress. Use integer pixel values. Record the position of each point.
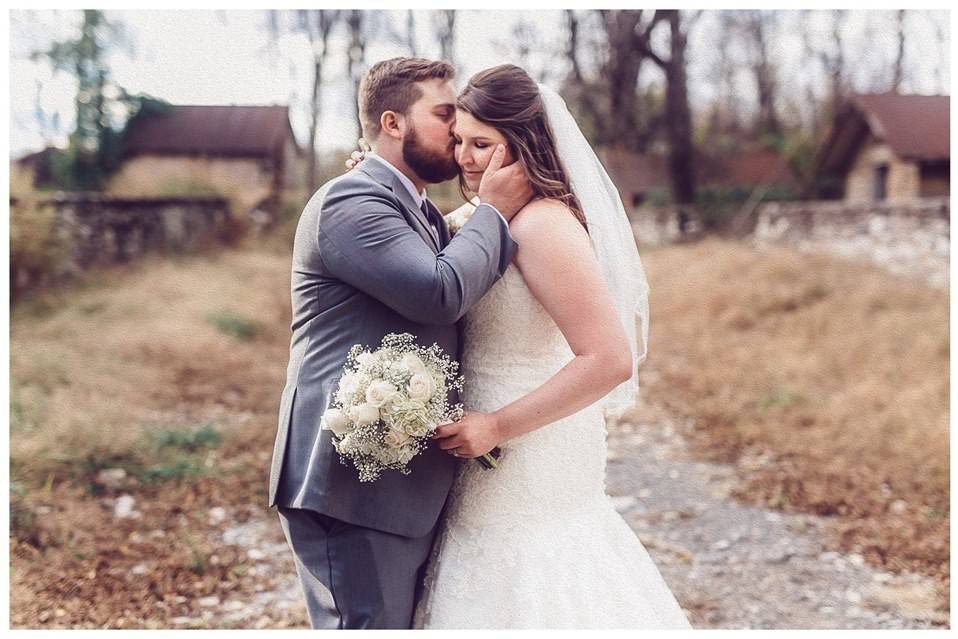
(535, 542)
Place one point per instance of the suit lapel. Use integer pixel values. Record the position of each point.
(390, 180)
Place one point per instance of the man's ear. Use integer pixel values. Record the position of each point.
(392, 124)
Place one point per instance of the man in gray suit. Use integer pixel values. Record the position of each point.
(373, 256)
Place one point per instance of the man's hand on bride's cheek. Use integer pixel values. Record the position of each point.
(472, 436)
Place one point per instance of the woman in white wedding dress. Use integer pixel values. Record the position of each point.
(536, 542)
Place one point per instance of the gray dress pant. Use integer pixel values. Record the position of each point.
(355, 577)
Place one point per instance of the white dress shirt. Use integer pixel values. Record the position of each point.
(418, 197)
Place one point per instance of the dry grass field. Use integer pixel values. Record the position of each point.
(825, 381)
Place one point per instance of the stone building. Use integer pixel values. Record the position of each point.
(886, 147)
(246, 153)
(31, 171)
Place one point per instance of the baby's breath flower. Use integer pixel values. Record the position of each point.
(392, 399)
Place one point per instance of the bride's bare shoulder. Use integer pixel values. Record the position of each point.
(545, 218)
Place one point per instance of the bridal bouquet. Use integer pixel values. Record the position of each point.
(389, 402)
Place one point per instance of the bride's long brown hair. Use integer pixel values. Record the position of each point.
(505, 97)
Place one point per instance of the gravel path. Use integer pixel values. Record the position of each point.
(736, 566)
(729, 565)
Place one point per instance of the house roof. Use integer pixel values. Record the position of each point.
(916, 127)
(643, 173)
(634, 172)
(213, 130)
(750, 167)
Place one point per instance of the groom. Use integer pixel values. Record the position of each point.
(373, 256)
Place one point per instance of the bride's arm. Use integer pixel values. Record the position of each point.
(560, 269)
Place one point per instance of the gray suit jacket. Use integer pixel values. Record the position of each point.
(366, 264)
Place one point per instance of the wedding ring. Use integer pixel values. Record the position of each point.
(455, 452)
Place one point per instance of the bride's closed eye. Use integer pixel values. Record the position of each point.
(478, 145)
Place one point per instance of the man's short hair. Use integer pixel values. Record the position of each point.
(390, 85)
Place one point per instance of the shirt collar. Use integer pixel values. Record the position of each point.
(406, 182)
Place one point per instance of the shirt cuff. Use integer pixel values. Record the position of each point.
(504, 221)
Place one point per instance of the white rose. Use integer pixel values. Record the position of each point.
(366, 359)
(379, 393)
(406, 455)
(345, 445)
(348, 384)
(396, 438)
(421, 386)
(389, 408)
(419, 428)
(364, 414)
(334, 420)
(413, 363)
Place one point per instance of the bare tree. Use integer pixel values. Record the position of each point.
(834, 64)
(578, 90)
(317, 25)
(444, 25)
(756, 27)
(941, 40)
(356, 23)
(411, 33)
(724, 118)
(678, 118)
(524, 38)
(898, 71)
(572, 50)
(810, 56)
(624, 30)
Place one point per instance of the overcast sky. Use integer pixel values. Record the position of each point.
(223, 57)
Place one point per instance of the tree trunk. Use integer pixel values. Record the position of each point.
(898, 68)
(356, 57)
(318, 25)
(835, 65)
(622, 76)
(678, 120)
(411, 33)
(578, 91)
(724, 119)
(445, 27)
(811, 101)
(764, 78)
(312, 178)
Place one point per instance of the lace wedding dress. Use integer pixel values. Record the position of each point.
(536, 542)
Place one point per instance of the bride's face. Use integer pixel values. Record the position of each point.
(475, 142)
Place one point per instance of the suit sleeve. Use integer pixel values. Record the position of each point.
(366, 242)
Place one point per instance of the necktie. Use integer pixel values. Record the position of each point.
(430, 218)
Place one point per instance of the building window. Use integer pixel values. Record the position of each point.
(881, 182)
(935, 178)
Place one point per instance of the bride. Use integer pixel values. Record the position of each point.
(536, 542)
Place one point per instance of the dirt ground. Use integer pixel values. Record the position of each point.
(823, 382)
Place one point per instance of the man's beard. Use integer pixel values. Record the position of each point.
(428, 165)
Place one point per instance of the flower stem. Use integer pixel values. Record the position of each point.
(490, 459)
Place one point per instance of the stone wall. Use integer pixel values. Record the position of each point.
(910, 238)
(662, 225)
(93, 229)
